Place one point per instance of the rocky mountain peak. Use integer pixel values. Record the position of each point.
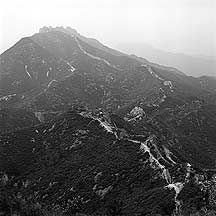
(67, 29)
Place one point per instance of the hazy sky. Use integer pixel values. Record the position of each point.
(187, 26)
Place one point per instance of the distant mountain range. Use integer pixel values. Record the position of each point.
(88, 130)
(194, 65)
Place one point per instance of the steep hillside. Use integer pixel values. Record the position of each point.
(34, 64)
(86, 129)
(84, 164)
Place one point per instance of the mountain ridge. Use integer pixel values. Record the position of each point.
(191, 65)
(94, 133)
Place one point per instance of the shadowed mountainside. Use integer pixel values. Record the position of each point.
(87, 129)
